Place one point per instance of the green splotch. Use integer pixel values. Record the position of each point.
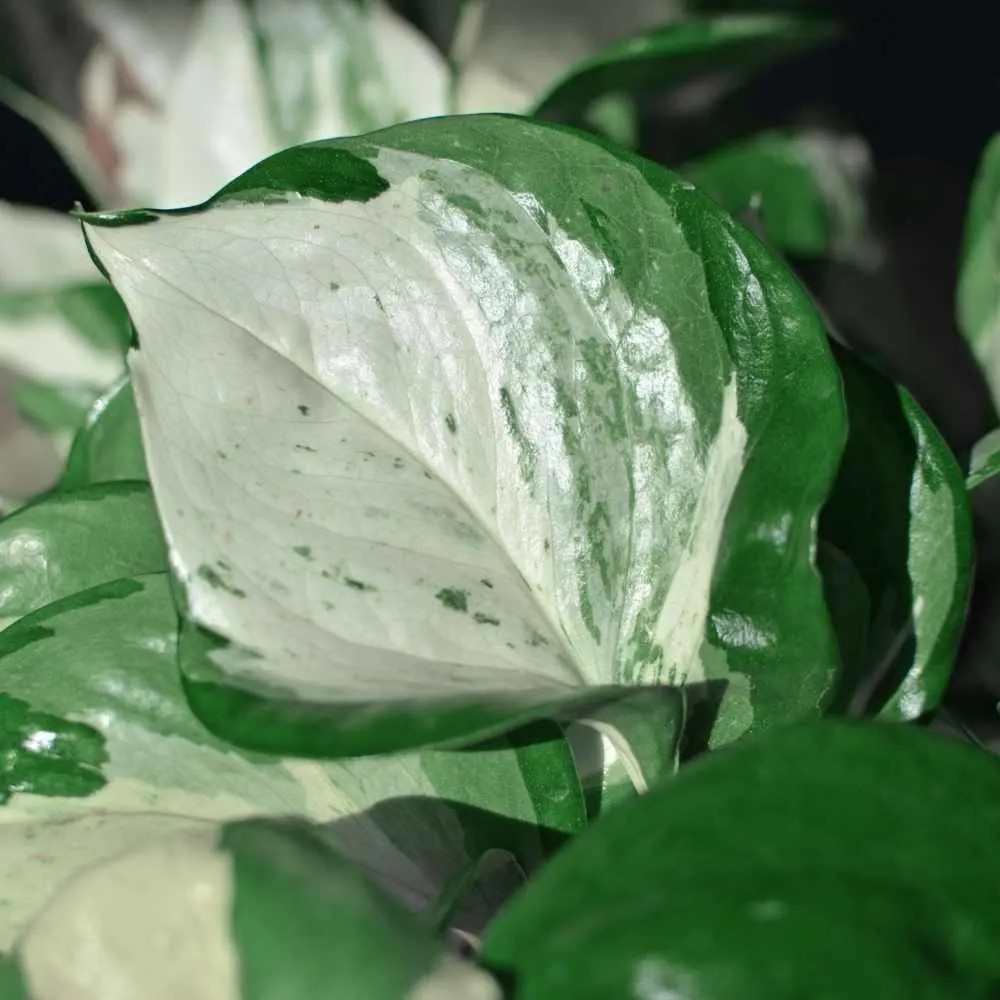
(303, 409)
(358, 584)
(45, 754)
(451, 423)
(303, 550)
(214, 579)
(453, 598)
(484, 619)
(527, 457)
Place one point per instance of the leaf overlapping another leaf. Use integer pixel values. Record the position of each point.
(445, 433)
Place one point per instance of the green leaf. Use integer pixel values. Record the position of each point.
(899, 512)
(67, 542)
(97, 725)
(984, 462)
(851, 860)
(61, 407)
(850, 609)
(108, 447)
(978, 302)
(477, 420)
(266, 910)
(807, 186)
(682, 51)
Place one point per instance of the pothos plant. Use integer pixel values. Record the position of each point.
(471, 478)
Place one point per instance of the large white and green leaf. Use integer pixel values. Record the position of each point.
(472, 419)
(979, 274)
(94, 725)
(192, 913)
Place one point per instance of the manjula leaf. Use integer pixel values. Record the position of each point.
(900, 514)
(108, 445)
(808, 187)
(66, 542)
(472, 421)
(682, 51)
(979, 274)
(101, 753)
(251, 910)
(831, 859)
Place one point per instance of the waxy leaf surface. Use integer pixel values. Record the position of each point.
(67, 542)
(472, 420)
(848, 860)
(899, 513)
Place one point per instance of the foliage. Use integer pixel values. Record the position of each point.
(485, 541)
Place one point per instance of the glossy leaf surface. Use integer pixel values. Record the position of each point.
(682, 51)
(426, 431)
(899, 512)
(67, 542)
(268, 910)
(808, 188)
(862, 864)
(94, 721)
(979, 275)
(108, 446)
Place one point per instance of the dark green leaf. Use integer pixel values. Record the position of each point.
(850, 610)
(682, 51)
(836, 859)
(305, 923)
(899, 512)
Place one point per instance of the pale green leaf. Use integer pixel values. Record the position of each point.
(808, 187)
(108, 445)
